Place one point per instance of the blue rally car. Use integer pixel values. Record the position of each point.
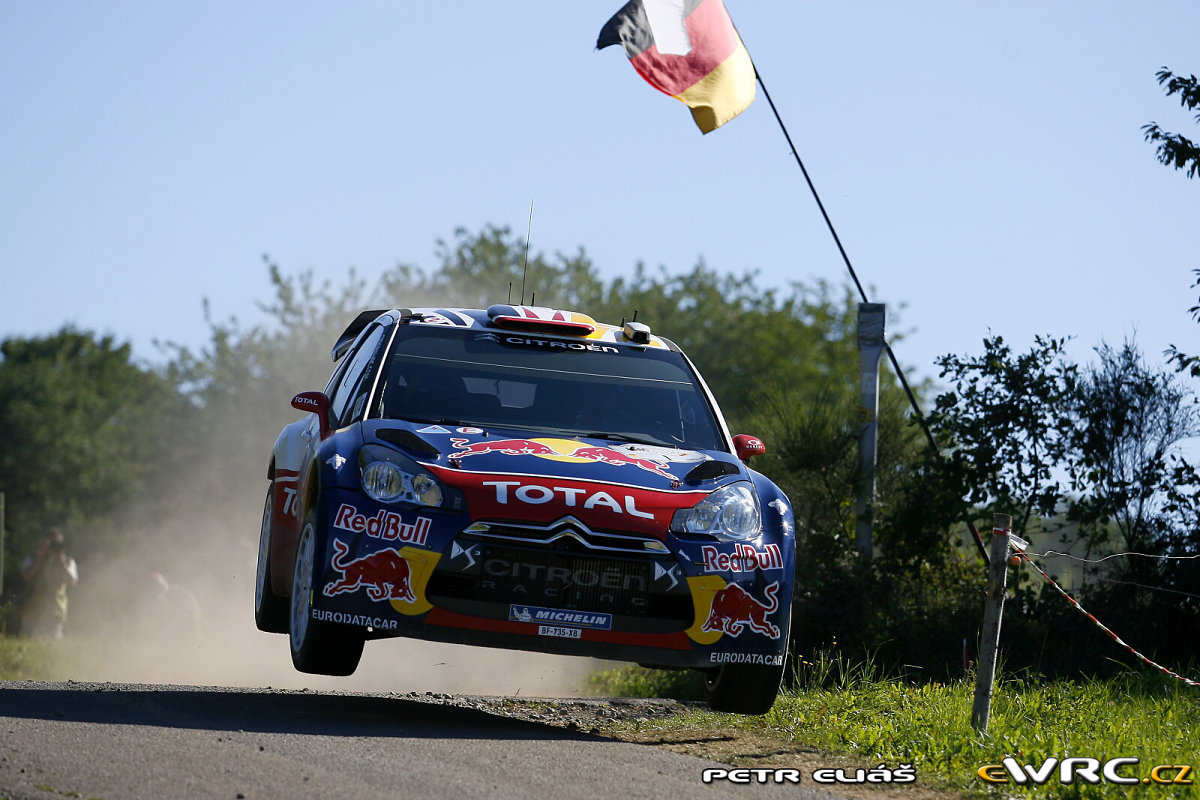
(525, 478)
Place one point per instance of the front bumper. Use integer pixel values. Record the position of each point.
(557, 587)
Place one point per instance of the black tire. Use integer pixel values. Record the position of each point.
(320, 648)
(743, 688)
(270, 610)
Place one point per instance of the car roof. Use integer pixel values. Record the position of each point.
(511, 318)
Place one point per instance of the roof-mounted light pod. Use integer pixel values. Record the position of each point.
(636, 332)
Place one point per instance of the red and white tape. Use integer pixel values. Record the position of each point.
(1021, 555)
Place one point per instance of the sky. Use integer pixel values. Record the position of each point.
(983, 163)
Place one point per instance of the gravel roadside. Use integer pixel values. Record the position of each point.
(645, 721)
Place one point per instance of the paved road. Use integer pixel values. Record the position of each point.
(118, 741)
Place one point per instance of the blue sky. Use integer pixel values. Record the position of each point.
(983, 162)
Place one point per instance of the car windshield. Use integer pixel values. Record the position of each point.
(579, 388)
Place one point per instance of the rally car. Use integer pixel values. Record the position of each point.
(526, 478)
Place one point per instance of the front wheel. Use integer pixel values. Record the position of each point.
(743, 688)
(321, 648)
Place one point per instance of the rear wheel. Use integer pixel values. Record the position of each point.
(322, 648)
(270, 610)
(743, 688)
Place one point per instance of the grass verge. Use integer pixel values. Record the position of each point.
(842, 709)
(23, 659)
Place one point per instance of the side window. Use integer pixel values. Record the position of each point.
(336, 379)
(353, 378)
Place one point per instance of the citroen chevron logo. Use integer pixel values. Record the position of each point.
(665, 572)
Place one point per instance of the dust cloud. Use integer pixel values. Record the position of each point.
(180, 611)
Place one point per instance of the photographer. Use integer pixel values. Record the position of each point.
(47, 575)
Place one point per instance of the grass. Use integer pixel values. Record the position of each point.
(23, 659)
(845, 707)
(683, 684)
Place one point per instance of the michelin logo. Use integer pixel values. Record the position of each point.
(560, 616)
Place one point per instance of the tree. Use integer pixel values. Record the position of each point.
(1180, 152)
(1182, 361)
(85, 431)
(1129, 423)
(493, 266)
(1003, 427)
(239, 385)
(1174, 149)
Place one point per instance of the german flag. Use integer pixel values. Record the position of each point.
(688, 49)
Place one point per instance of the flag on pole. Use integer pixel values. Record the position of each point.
(688, 49)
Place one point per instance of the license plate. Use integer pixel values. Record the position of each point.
(559, 631)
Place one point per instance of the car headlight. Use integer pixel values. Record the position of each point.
(389, 477)
(730, 512)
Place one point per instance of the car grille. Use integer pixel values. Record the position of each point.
(567, 534)
(590, 582)
(540, 576)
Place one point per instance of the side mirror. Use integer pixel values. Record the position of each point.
(316, 403)
(748, 446)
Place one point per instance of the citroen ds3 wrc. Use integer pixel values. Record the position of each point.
(526, 478)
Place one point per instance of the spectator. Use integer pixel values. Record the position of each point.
(47, 575)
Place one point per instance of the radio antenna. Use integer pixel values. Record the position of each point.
(525, 266)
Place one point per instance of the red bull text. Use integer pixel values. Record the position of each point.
(386, 525)
(743, 559)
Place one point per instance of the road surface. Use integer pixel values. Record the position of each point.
(122, 741)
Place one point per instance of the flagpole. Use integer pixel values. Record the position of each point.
(821, 206)
(912, 399)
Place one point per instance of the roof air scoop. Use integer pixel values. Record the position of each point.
(537, 319)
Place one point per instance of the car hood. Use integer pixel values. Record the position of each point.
(493, 450)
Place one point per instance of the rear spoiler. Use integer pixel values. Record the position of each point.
(353, 330)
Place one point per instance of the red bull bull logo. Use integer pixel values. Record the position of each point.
(384, 574)
(734, 609)
(565, 450)
(509, 447)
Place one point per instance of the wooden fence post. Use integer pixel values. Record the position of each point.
(871, 343)
(989, 643)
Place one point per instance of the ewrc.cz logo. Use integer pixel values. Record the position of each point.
(1090, 770)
